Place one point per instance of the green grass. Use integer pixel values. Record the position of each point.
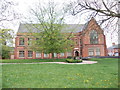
(31, 60)
(104, 74)
(0, 77)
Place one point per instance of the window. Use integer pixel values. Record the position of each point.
(93, 37)
(69, 54)
(29, 41)
(90, 52)
(38, 55)
(81, 52)
(55, 54)
(97, 52)
(116, 50)
(80, 42)
(21, 53)
(62, 54)
(21, 41)
(30, 53)
(46, 55)
(76, 41)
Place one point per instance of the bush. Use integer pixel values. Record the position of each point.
(69, 57)
(5, 52)
(73, 61)
(86, 58)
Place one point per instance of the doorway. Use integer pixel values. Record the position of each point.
(76, 53)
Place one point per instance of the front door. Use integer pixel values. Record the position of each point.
(76, 53)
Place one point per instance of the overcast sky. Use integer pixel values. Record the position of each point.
(23, 7)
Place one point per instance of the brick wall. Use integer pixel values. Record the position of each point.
(81, 39)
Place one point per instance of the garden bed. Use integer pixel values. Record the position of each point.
(73, 61)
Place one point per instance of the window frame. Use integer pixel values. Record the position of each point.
(46, 55)
(62, 54)
(20, 54)
(98, 49)
(21, 39)
(93, 37)
(90, 50)
(55, 54)
(38, 55)
(30, 54)
(29, 41)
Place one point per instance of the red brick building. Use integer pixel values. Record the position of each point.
(114, 50)
(90, 41)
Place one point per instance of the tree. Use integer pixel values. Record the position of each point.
(102, 8)
(5, 52)
(7, 12)
(106, 11)
(6, 39)
(49, 36)
(6, 36)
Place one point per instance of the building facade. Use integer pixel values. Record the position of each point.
(89, 41)
(114, 50)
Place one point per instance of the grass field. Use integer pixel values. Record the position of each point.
(30, 60)
(104, 74)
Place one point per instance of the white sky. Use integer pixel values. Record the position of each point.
(23, 7)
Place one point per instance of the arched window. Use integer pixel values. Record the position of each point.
(93, 37)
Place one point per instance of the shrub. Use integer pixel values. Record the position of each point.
(86, 58)
(73, 61)
(5, 52)
(69, 57)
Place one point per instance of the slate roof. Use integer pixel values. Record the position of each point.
(85, 26)
(67, 28)
(115, 46)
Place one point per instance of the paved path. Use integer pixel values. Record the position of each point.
(84, 62)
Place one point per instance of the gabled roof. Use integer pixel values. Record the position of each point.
(67, 28)
(115, 46)
(85, 25)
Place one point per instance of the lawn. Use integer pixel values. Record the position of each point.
(30, 60)
(104, 74)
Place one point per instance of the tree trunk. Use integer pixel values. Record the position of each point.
(53, 55)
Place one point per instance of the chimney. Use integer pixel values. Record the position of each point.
(113, 44)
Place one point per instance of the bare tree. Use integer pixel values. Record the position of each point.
(7, 12)
(106, 8)
(106, 11)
